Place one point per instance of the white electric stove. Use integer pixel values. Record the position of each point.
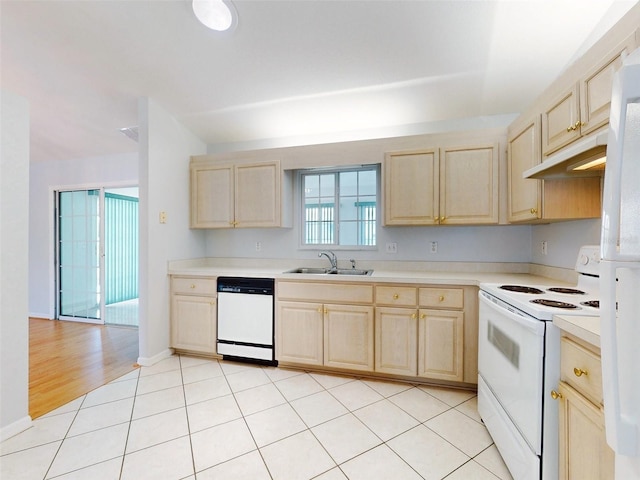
(519, 364)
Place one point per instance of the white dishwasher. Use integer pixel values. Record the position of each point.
(246, 319)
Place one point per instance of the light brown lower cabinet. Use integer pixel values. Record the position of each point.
(401, 330)
(396, 346)
(584, 453)
(441, 344)
(300, 333)
(332, 335)
(193, 314)
(348, 336)
(193, 323)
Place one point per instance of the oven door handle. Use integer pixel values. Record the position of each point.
(534, 325)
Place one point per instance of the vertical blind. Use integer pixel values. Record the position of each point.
(121, 248)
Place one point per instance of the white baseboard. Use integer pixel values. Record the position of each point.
(15, 428)
(46, 316)
(148, 361)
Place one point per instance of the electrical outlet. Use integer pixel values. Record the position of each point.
(163, 217)
(258, 246)
(392, 247)
(543, 247)
(434, 247)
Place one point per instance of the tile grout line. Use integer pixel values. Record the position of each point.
(186, 413)
(133, 407)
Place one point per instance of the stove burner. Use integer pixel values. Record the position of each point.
(591, 303)
(570, 291)
(553, 303)
(521, 289)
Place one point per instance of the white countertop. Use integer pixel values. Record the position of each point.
(450, 273)
(585, 328)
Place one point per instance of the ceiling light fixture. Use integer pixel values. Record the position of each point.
(219, 15)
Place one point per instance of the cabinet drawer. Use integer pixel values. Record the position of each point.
(581, 369)
(401, 296)
(325, 292)
(194, 285)
(441, 297)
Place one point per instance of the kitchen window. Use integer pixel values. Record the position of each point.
(340, 206)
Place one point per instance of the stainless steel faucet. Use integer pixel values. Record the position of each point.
(332, 258)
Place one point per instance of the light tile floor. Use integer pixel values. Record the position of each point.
(193, 418)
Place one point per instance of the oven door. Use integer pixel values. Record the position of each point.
(510, 361)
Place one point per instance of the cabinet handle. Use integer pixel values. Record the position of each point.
(326, 311)
(396, 296)
(192, 286)
(436, 219)
(212, 303)
(423, 316)
(575, 126)
(555, 395)
(319, 309)
(442, 219)
(413, 316)
(533, 211)
(578, 372)
(441, 298)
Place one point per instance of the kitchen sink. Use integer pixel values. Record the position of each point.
(350, 271)
(329, 271)
(309, 270)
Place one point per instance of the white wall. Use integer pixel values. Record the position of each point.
(165, 150)
(564, 239)
(512, 243)
(455, 244)
(44, 178)
(14, 258)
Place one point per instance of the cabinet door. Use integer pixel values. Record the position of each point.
(561, 121)
(595, 88)
(348, 337)
(584, 453)
(299, 332)
(411, 193)
(193, 323)
(257, 195)
(524, 193)
(212, 196)
(396, 341)
(469, 185)
(440, 344)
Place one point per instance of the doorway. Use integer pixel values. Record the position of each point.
(97, 255)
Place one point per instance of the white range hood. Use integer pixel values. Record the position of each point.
(583, 158)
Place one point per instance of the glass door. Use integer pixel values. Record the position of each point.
(80, 255)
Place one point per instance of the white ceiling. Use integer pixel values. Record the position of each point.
(291, 72)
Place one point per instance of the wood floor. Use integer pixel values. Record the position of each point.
(69, 359)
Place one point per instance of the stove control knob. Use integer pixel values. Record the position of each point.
(584, 259)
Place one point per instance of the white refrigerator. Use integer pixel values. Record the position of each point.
(620, 273)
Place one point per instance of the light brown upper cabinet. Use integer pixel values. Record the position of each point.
(584, 106)
(525, 195)
(236, 195)
(411, 188)
(531, 200)
(442, 186)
